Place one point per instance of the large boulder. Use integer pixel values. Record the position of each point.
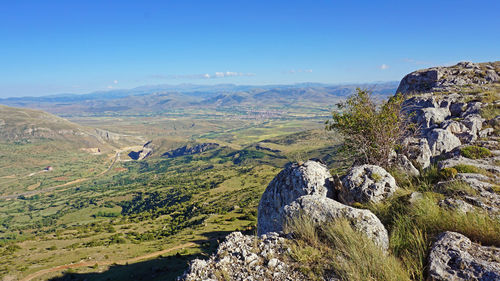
(441, 141)
(307, 189)
(322, 209)
(245, 257)
(456, 257)
(429, 117)
(294, 181)
(367, 183)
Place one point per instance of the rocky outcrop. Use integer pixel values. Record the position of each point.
(146, 151)
(245, 257)
(450, 78)
(445, 104)
(298, 190)
(455, 257)
(294, 181)
(367, 183)
(308, 190)
(190, 150)
(107, 135)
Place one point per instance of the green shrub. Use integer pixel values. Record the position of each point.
(371, 131)
(464, 168)
(475, 152)
(448, 173)
(427, 179)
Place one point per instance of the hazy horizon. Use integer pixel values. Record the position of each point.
(197, 85)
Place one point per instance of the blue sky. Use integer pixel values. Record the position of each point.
(50, 47)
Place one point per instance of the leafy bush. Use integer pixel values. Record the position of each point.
(475, 152)
(371, 130)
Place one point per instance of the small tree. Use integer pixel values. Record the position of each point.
(371, 130)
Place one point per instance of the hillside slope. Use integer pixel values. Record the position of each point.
(28, 125)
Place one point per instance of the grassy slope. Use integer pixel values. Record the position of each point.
(224, 185)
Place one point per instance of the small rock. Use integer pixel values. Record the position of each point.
(272, 263)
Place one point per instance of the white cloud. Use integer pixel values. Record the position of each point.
(115, 82)
(384, 66)
(293, 71)
(110, 87)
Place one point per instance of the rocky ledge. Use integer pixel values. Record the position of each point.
(450, 78)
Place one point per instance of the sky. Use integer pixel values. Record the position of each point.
(53, 47)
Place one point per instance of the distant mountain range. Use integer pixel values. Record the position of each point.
(164, 98)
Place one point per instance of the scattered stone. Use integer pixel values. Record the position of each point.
(486, 132)
(245, 257)
(415, 196)
(419, 151)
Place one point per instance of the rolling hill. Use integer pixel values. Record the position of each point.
(27, 125)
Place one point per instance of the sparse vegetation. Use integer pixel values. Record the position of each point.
(320, 250)
(412, 226)
(490, 111)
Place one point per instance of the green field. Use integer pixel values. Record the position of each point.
(130, 209)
